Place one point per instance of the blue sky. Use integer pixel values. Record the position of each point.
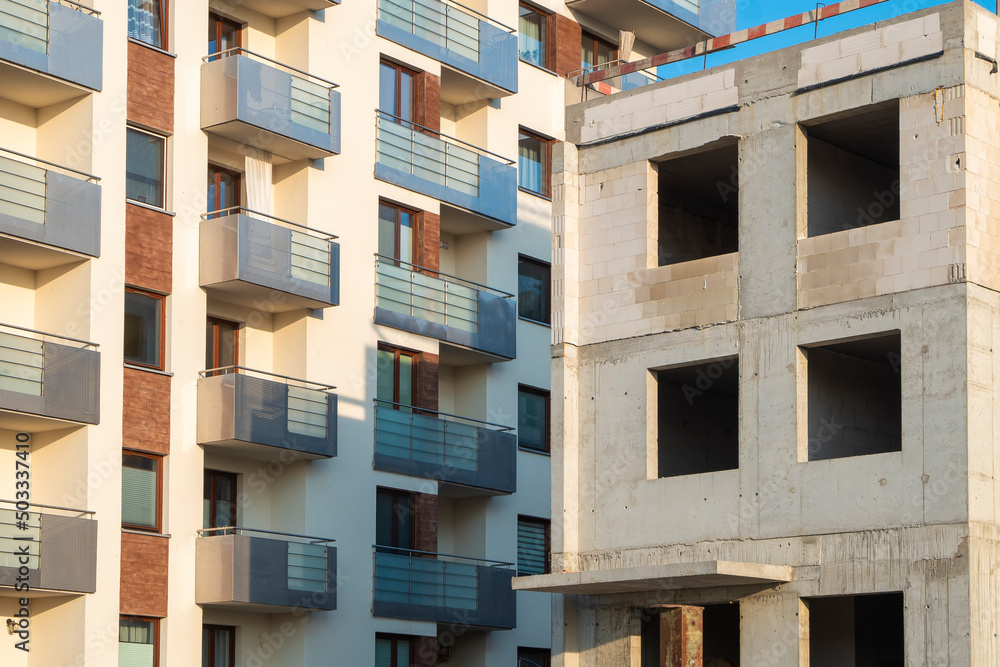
(751, 13)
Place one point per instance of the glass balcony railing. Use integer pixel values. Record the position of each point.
(48, 548)
(431, 303)
(45, 379)
(254, 412)
(44, 203)
(434, 164)
(455, 35)
(422, 586)
(264, 571)
(267, 263)
(272, 106)
(63, 39)
(448, 448)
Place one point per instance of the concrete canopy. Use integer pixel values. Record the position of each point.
(702, 574)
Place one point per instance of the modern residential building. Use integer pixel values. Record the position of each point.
(275, 320)
(775, 313)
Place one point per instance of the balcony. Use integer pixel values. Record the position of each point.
(257, 415)
(279, 9)
(478, 458)
(664, 24)
(61, 552)
(267, 263)
(420, 586)
(457, 173)
(473, 317)
(243, 569)
(49, 215)
(253, 100)
(47, 385)
(458, 37)
(50, 52)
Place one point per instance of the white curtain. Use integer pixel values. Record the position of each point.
(260, 191)
(626, 40)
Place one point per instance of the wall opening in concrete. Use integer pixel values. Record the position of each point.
(720, 640)
(853, 169)
(699, 204)
(856, 631)
(697, 418)
(854, 397)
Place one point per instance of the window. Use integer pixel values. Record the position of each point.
(533, 657)
(147, 22)
(138, 642)
(532, 35)
(856, 630)
(144, 167)
(218, 646)
(532, 418)
(855, 395)
(396, 91)
(393, 520)
(223, 34)
(697, 418)
(533, 290)
(222, 342)
(396, 376)
(533, 546)
(144, 328)
(396, 232)
(534, 163)
(394, 650)
(220, 499)
(141, 491)
(596, 51)
(223, 188)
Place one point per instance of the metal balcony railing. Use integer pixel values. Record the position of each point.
(629, 81)
(56, 545)
(447, 24)
(48, 378)
(429, 579)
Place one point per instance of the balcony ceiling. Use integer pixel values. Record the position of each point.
(34, 89)
(29, 423)
(284, 147)
(651, 25)
(702, 574)
(277, 9)
(458, 88)
(251, 295)
(33, 256)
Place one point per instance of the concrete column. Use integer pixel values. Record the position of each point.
(774, 631)
(682, 637)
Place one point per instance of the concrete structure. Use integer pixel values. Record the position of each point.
(300, 365)
(775, 297)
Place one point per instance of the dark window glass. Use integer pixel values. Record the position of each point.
(531, 36)
(143, 329)
(532, 546)
(596, 51)
(138, 642)
(533, 418)
(219, 508)
(533, 163)
(141, 491)
(395, 232)
(393, 650)
(221, 343)
(395, 376)
(533, 291)
(394, 519)
(218, 646)
(223, 188)
(396, 91)
(144, 168)
(147, 22)
(223, 34)
(533, 657)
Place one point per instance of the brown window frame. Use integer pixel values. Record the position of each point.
(596, 40)
(216, 172)
(222, 20)
(398, 352)
(397, 495)
(232, 643)
(161, 354)
(395, 638)
(215, 475)
(398, 208)
(547, 523)
(547, 395)
(547, 143)
(547, 294)
(549, 42)
(159, 458)
(215, 322)
(156, 632)
(413, 73)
